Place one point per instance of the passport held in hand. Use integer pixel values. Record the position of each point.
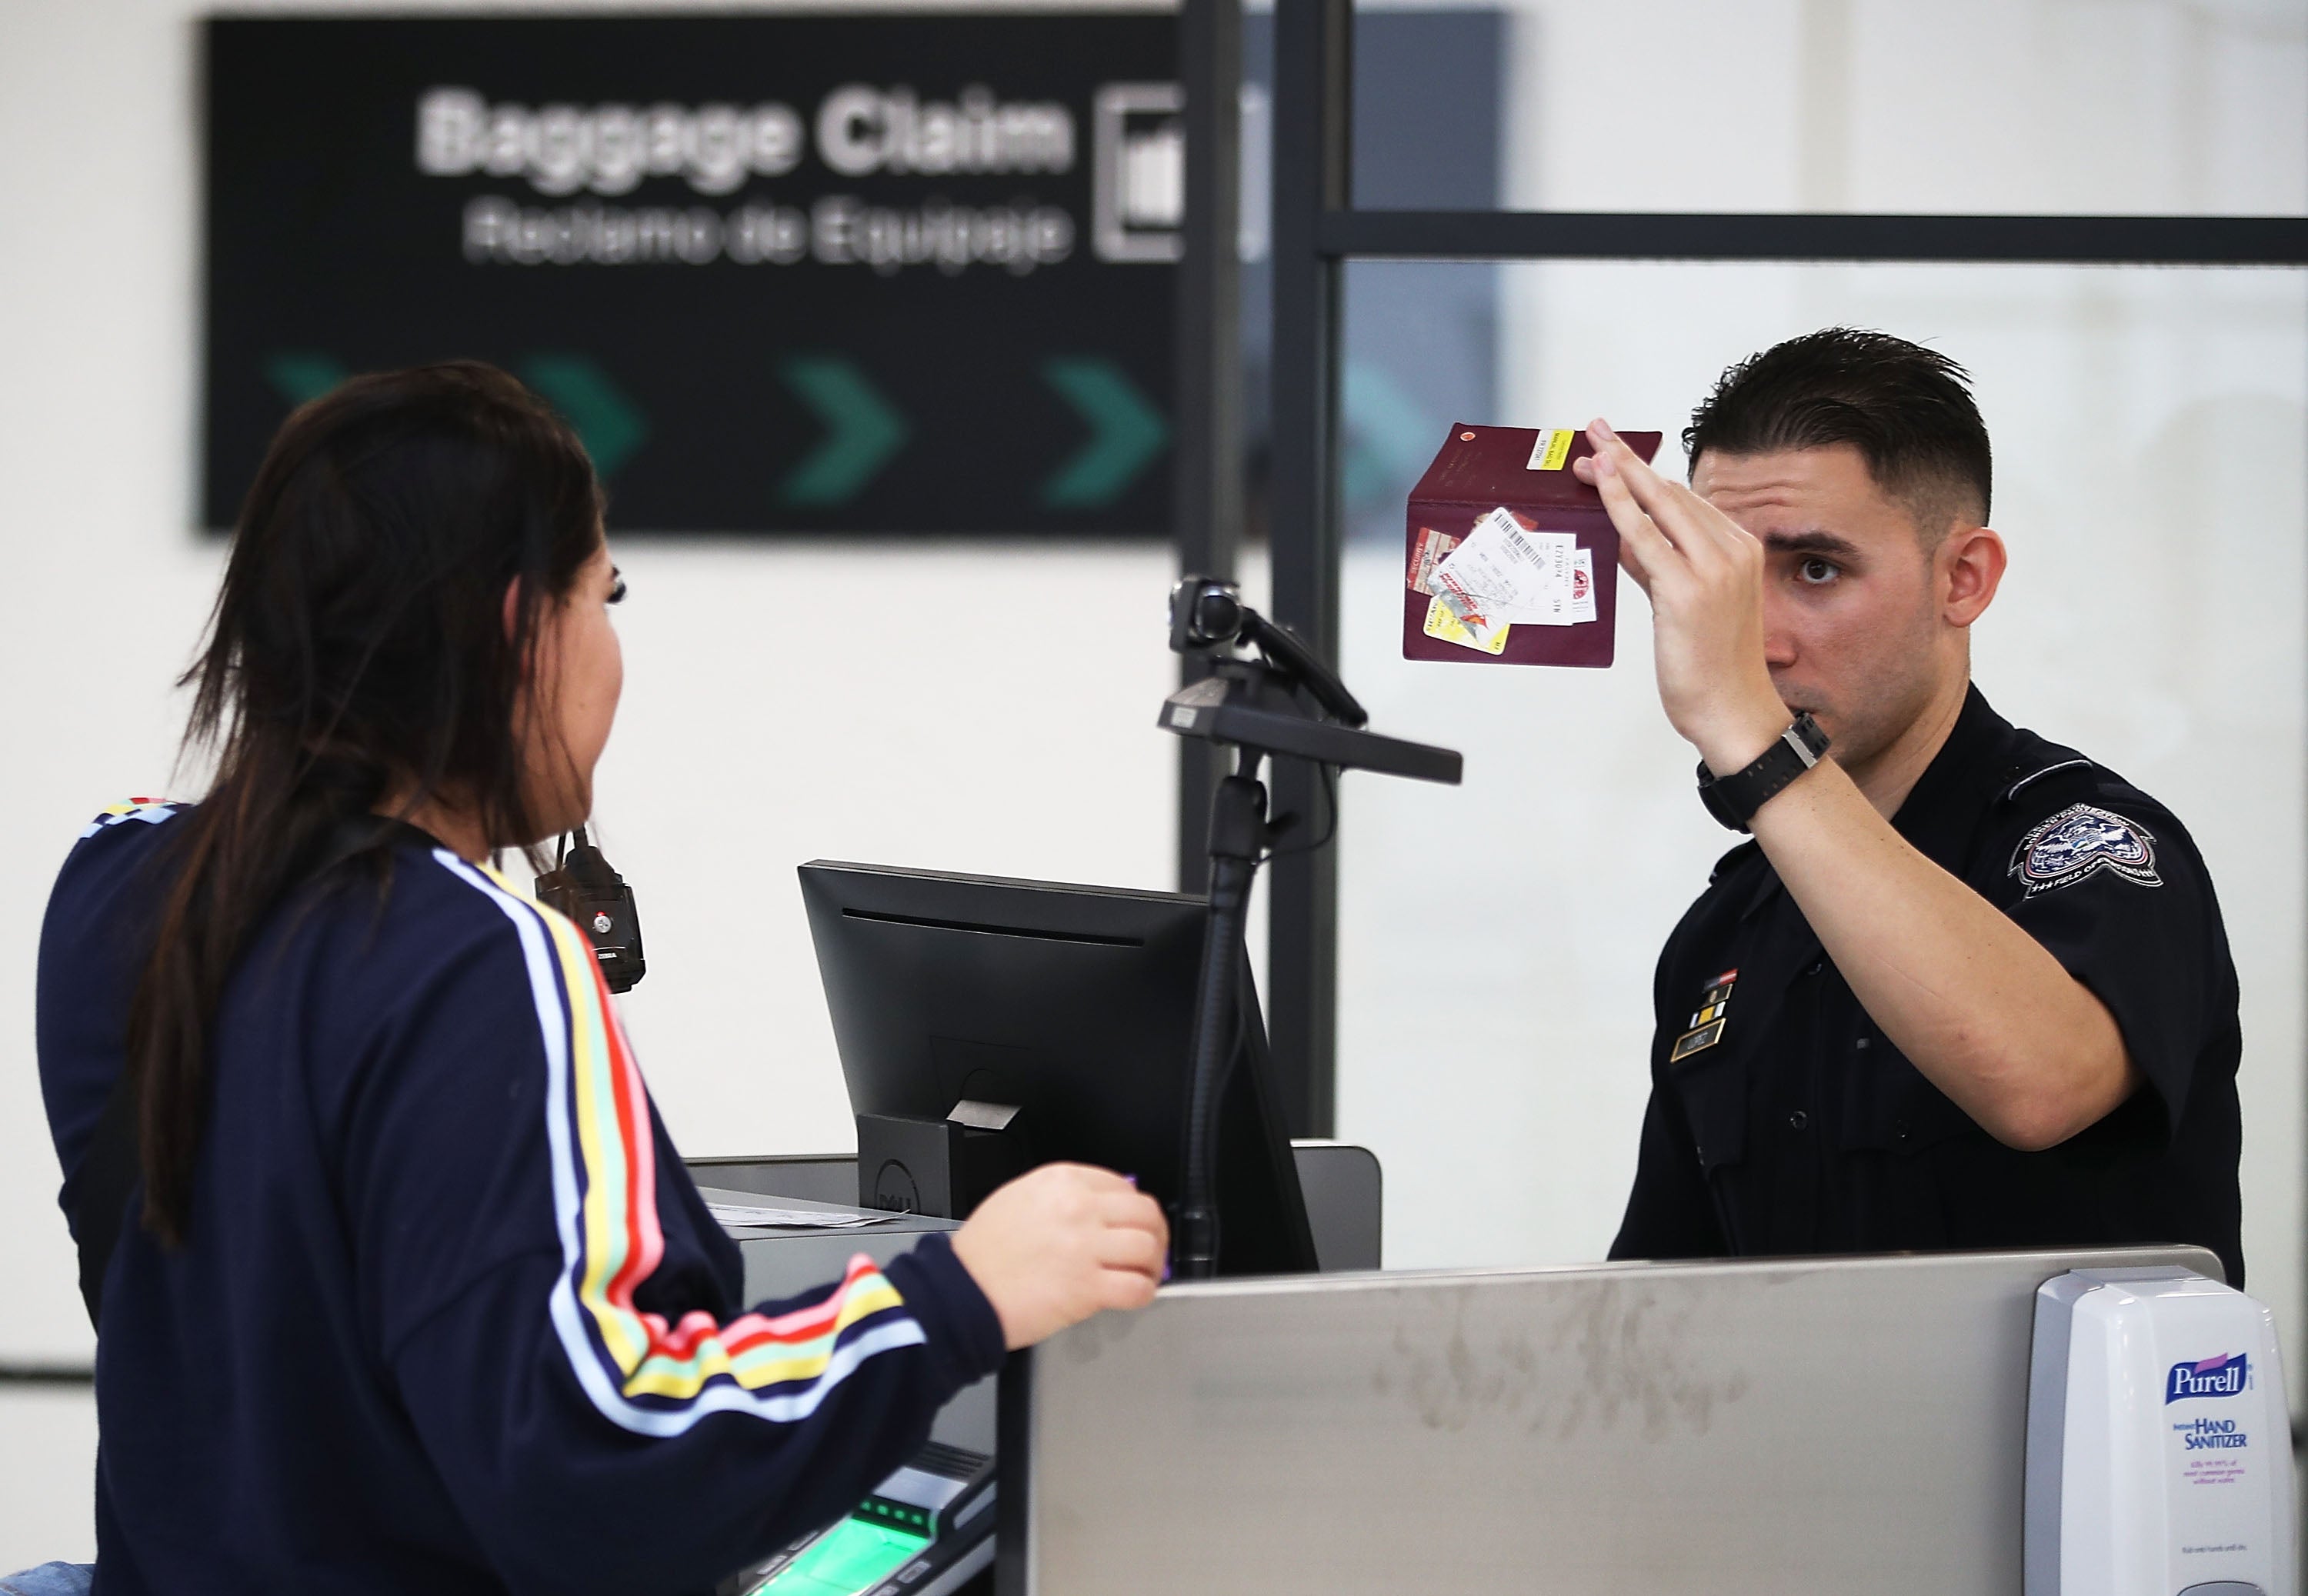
(1508, 558)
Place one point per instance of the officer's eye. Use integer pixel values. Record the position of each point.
(1816, 572)
(616, 587)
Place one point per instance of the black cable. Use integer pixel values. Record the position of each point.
(1331, 820)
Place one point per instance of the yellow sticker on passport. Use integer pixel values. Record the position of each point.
(1552, 449)
(1487, 637)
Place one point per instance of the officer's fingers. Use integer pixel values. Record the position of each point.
(1619, 501)
(1643, 549)
(1629, 488)
(1612, 455)
(1687, 507)
(1633, 566)
(1700, 532)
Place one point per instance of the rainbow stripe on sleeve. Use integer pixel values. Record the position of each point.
(645, 1374)
(150, 810)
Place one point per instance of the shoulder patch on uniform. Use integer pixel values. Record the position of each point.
(2079, 843)
(150, 810)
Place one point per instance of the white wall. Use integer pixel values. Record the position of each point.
(2074, 106)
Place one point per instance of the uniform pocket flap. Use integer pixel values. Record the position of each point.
(1713, 1091)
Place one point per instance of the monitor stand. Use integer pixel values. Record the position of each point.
(941, 1167)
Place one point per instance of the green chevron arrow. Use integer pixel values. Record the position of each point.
(1126, 433)
(862, 430)
(302, 374)
(607, 421)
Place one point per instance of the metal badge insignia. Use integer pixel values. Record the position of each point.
(1707, 1022)
(1691, 1042)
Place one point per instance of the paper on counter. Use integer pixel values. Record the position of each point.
(743, 1215)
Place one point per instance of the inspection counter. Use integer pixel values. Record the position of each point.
(1704, 1429)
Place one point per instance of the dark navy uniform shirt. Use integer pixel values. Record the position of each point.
(1782, 1120)
(451, 1317)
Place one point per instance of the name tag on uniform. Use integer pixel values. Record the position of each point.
(1707, 1020)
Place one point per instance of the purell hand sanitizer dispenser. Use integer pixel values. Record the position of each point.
(2159, 1446)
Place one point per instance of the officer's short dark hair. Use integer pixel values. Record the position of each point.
(1908, 409)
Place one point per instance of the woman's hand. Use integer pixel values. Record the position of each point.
(1059, 1244)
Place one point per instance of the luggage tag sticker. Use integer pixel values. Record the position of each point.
(1424, 555)
(1474, 631)
(1582, 586)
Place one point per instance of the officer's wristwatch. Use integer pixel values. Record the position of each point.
(1733, 799)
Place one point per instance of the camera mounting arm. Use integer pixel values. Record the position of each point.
(1256, 706)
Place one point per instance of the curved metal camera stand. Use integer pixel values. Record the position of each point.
(1286, 702)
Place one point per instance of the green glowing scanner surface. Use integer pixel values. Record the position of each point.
(848, 1559)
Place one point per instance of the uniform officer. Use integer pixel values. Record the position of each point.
(1965, 987)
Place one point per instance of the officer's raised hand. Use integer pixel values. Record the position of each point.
(1703, 573)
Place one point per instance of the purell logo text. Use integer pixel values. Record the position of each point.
(2214, 1376)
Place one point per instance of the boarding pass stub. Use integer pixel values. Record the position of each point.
(1506, 571)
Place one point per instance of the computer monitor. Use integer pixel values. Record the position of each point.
(1075, 1004)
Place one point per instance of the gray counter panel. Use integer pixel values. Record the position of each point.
(1845, 1426)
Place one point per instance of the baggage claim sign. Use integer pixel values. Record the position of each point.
(896, 273)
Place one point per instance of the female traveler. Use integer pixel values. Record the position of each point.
(414, 1293)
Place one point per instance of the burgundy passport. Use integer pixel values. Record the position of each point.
(1483, 469)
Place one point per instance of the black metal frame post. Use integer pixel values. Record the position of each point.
(1317, 230)
(1312, 86)
(1207, 453)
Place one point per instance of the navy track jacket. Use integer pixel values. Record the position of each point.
(451, 1316)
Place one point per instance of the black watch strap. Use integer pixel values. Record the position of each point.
(1733, 799)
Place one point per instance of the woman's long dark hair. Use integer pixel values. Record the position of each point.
(360, 648)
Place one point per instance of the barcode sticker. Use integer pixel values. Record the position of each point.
(1507, 572)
